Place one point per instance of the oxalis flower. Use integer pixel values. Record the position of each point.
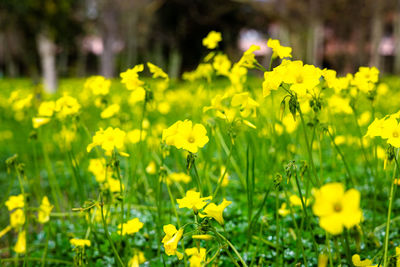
(215, 211)
(171, 240)
(131, 227)
(192, 200)
(336, 208)
(185, 135)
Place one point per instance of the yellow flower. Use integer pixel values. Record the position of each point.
(215, 211)
(39, 121)
(296, 201)
(14, 202)
(98, 168)
(98, 85)
(151, 168)
(131, 226)
(20, 246)
(198, 256)
(283, 211)
(212, 39)
(359, 263)
(108, 139)
(246, 103)
(178, 177)
(46, 109)
(301, 77)
(110, 111)
(137, 96)
(134, 136)
(157, 71)
(137, 259)
(114, 185)
(338, 104)
(66, 106)
(80, 242)
(248, 60)
(337, 208)
(278, 50)
(44, 210)
(391, 132)
(192, 200)
(17, 218)
(183, 135)
(171, 240)
(366, 78)
(131, 78)
(222, 64)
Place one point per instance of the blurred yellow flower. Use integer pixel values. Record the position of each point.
(336, 208)
(157, 71)
(80, 242)
(279, 50)
(198, 256)
(110, 111)
(44, 210)
(171, 240)
(131, 78)
(14, 202)
(39, 121)
(108, 139)
(20, 246)
(98, 85)
(212, 39)
(131, 226)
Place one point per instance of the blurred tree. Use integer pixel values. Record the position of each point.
(45, 24)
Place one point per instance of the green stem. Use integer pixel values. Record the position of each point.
(385, 257)
(116, 255)
(232, 247)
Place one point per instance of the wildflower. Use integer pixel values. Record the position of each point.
(212, 39)
(131, 78)
(46, 108)
(391, 132)
(137, 96)
(283, 211)
(134, 135)
(131, 226)
(301, 77)
(44, 210)
(114, 185)
(39, 121)
(157, 71)
(248, 60)
(358, 262)
(215, 211)
(67, 106)
(246, 103)
(336, 208)
(17, 218)
(151, 168)
(184, 135)
(222, 64)
(338, 104)
(192, 200)
(15, 202)
(171, 240)
(110, 111)
(80, 242)
(98, 168)
(178, 177)
(198, 256)
(322, 260)
(296, 201)
(20, 246)
(137, 259)
(98, 85)
(366, 78)
(278, 50)
(108, 139)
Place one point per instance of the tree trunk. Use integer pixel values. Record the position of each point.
(377, 34)
(47, 52)
(396, 22)
(109, 34)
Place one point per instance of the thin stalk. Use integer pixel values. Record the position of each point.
(232, 247)
(385, 256)
(116, 255)
(328, 244)
(309, 148)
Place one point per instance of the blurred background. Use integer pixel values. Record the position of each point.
(78, 38)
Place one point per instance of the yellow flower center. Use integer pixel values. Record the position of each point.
(299, 79)
(337, 207)
(395, 134)
(191, 139)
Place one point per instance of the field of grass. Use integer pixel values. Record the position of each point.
(220, 169)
